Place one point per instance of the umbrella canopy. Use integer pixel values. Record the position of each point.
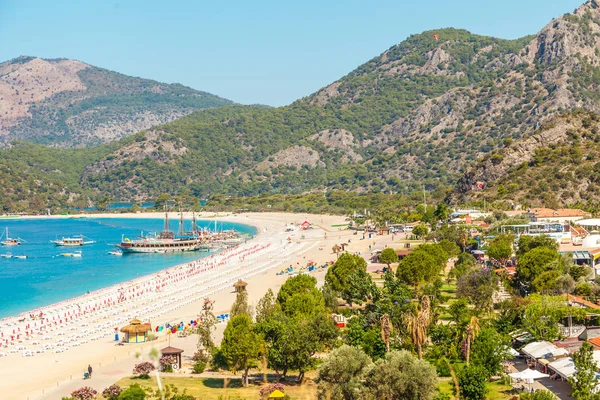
(528, 375)
(277, 394)
(135, 326)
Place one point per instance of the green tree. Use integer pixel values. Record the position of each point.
(450, 247)
(266, 306)
(528, 243)
(360, 288)
(500, 249)
(472, 381)
(240, 305)
(489, 350)
(464, 263)
(241, 345)
(420, 231)
(341, 373)
(478, 286)
(401, 376)
(360, 334)
(162, 200)
(584, 381)
(299, 294)
(338, 275)
(388, 256)
(420, 266)
(535, 262)
(441, 212)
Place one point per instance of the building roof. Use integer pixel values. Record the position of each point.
(543, 350)
(171, 350)
(581, 301)
(595, 341)
(240, 283)
(136, 326)
(559, 213)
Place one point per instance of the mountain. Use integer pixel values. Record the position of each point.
(429, 112)
(396, 122)
(68, 103)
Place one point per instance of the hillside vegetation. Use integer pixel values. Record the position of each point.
(426, 114)
(67, 103)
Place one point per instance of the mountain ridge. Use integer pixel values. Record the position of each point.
(69, 103)
(424, 113)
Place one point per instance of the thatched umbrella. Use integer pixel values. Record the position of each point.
(240, 285)
(136, 331)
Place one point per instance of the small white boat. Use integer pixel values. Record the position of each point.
(8, 241)
(7, 255)
(20, 257)
(72, 241)
(115, 253)
(76, 254)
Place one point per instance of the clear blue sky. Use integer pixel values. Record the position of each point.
(249, 51)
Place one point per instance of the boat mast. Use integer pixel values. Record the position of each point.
(194, 225)
(180, 221)
(167, 222)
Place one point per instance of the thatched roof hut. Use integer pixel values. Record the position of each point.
(240, 285)
(136, 331)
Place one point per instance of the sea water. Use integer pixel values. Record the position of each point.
(45, 277)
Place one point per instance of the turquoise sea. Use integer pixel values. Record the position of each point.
(45, 277)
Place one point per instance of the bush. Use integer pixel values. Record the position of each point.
(142, 370)
(166, 363)
(539, 395)
(199, 367)
(112, 392)
(133, 392)
(84, 393)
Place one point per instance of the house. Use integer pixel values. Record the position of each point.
(560, 215)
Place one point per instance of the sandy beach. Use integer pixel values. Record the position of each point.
(55, 344)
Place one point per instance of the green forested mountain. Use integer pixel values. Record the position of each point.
(420, 114)
(67, 103)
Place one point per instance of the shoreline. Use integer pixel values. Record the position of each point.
(57, 374)
(113, 286)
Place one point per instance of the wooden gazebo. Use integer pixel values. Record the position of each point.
(240, 285)
(136, 331)
(173, 351)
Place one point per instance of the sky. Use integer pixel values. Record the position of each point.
(249, 51)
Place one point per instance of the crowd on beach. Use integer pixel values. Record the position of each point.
(96, 315)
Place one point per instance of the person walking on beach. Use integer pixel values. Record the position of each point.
(90, 370)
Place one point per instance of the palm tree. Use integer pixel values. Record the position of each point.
(386, 328)
(463, 237)
(471, 333)
(417, 324)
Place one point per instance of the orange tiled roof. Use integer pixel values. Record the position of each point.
(582, 301)
(595, 341)
(561, 212)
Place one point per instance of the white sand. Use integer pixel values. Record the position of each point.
(86, 335)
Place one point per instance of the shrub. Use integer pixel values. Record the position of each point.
(199, 367)
(84, 393)
(166, 363)
(142, 370)
(112, 392)
(133, 392)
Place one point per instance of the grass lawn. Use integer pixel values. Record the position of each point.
(212, 388)
(496, 391)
